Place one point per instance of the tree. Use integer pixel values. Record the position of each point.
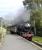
(36, 12)
(31, 3)
(38, 2)
(36, 16)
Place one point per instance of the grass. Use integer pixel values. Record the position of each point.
(37, 39)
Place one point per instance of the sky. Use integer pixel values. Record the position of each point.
(13, 10)
(8, 7)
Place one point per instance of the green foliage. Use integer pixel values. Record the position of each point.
(2, 32)
(38, 1)
(33, 3)
(39, 32)
(37, 16)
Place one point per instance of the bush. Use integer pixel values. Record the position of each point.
(2, 32)
(39, 32)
